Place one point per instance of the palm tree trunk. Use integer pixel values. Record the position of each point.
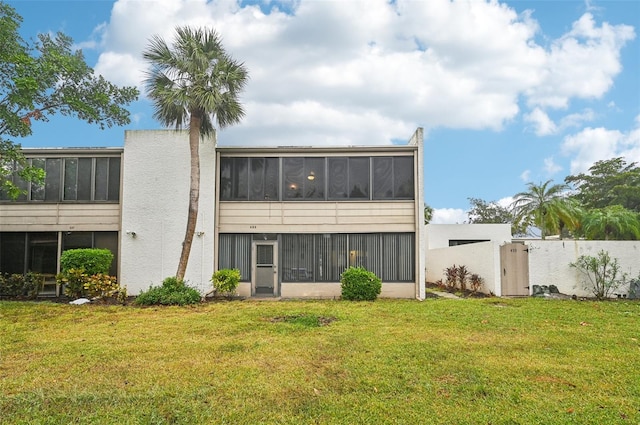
(194, 195)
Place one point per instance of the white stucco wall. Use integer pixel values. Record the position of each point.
(155, 199)
(549, 262)
(438, 235)
(482, 258)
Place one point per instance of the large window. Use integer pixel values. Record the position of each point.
(316, 178)
(72, 179)
(323, 257)
(22, 252)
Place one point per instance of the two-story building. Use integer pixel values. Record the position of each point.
(291, 219)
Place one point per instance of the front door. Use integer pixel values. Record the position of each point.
(265, 268)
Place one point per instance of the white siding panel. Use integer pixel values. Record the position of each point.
(59, 217)
(319, 216)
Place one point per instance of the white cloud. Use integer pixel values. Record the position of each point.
(551, 167)
(371, 71)
(526, 176)
(543, 125)
(595, 144)
(449, 216)
(582, 63)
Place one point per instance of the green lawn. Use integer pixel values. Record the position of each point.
(472, 361)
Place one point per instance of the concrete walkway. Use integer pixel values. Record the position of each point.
(444, 294)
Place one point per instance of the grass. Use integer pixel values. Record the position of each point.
(473, 361)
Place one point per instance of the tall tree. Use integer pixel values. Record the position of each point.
(613, 222)
(194, 83)
(41, 79)
(546, 207)
(483, 212)
(608, 182)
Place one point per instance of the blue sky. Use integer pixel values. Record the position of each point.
(507, 92)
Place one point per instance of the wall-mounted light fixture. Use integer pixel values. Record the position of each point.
(199, 234)
(131, 233)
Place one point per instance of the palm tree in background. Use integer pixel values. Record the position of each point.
(546, 207)
(613, 222)
(194, 83)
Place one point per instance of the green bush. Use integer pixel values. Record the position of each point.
(102, 285)
(226, 281)
(91, 260)
(359, 284)
(18, 285)
(172, 292)
(73, 280)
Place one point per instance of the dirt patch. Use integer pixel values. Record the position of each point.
(310, 320)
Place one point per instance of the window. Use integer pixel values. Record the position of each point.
(348, 178)
(393, 177)
(234, 252)
(316, 178)
(21, 252)
(303, 178)
(73, 179)
(323, 257)
(254, 179)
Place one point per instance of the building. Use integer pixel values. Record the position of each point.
(291, 219)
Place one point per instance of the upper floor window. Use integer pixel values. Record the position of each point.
(73, 179)
(316, 178)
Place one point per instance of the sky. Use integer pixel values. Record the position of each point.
(508, 92)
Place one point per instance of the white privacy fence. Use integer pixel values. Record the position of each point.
(548, 263)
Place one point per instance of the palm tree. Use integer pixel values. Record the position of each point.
(613, 222)
(194, 83)
(546, 207)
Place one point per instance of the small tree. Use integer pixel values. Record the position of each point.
(602, 274)
(225, 281)
(359, 284)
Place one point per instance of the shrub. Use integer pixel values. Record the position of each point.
(226, 281)
(602, 274)
(91, 260)
(73, 280)
(359, 284)
(172, 292)
(451, 277)
(462, 273)
(18, 285)
(476, 282)
(101, 285)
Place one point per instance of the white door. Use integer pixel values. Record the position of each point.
(265, 268)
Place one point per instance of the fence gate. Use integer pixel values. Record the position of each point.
(514, 265)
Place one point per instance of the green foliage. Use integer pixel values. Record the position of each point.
(608, 182)
(102, 286)
(613, 222)
(547, 207)
(602, 273)
(90, 260)
(73, 280)
(226, 281)
(172, 292)
(19, 285)
(483, 212)
(462, 276)
(40, 79)
(359, 284)
(428, 214)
